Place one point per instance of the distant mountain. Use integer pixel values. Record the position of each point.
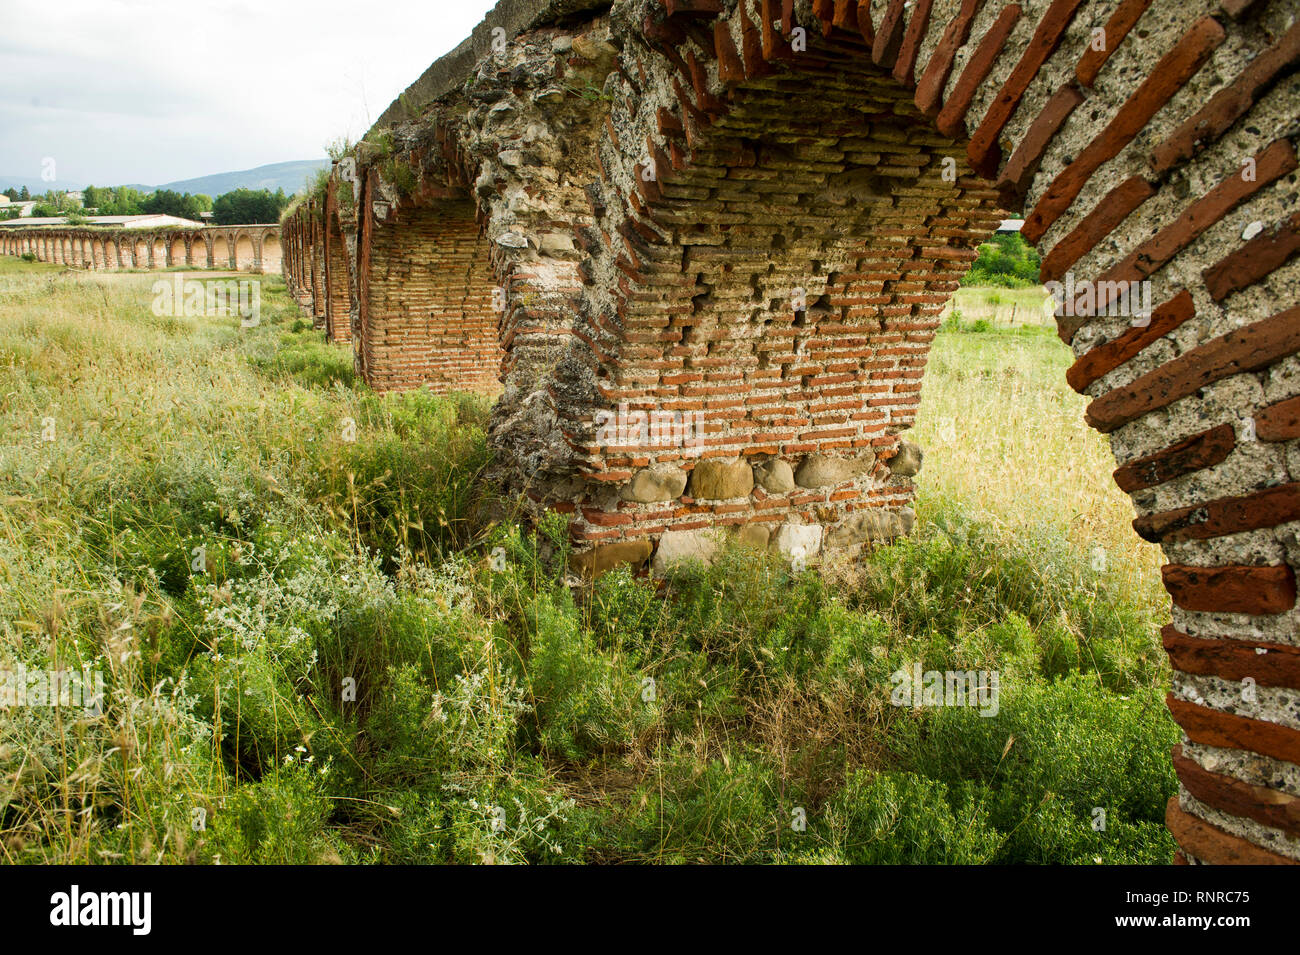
(289, 176)
(38, 186)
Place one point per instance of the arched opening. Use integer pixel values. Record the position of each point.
(97, 251)
(200, 255)
(427, 318)
(245, 257)
(111, 254)
(220, 251)
(158, 253)
(272, 256)
(779, 259)
(177, 254)
(338, 284)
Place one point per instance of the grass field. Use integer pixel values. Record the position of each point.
(309, 656)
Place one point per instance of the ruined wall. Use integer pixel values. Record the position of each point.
(722, 231)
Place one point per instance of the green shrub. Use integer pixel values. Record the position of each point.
(282, 819)
(588, 702)
(1006, 260)
(411, 479)
(906, 819)
(1053, 755)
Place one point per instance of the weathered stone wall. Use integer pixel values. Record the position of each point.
(105, 248)
(722, 231)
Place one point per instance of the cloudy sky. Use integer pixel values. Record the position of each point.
(154, 91)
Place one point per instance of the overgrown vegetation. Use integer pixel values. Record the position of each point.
(1005, 260)
(320, 647)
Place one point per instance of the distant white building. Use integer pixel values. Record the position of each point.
(119, 222)
(24, 206)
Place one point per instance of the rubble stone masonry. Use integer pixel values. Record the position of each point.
(700, 247)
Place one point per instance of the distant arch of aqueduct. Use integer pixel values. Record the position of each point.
(245, 248)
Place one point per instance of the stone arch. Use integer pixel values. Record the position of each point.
(220, 251)
(97, 252)
(157, 252)
(111, 253)
(177, 250)
(857, 154)
(1182, 395)
(338, 281)
(200, 251)
(272, 251)
(245, 257)
(316, 255)
(427, 316)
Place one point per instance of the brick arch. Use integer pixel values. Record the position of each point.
(753, 142)
(272, 250)
(650, 240)
(245, 253)
(200, 252)
(426, 314)
(221, 251)
(111, 253)
(338, 282)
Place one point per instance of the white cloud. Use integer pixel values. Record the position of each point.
(154, 91)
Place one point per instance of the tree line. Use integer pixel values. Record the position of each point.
(239, 207)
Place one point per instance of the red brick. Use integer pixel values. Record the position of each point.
(1200, 451)
(983, 150)
(1105, 358)
(1167, 78)
(1269, 807)
(1279, 422)
(1255, 260)
(951, 120)
(1246, 349)
(929, 90)
(1226, 515)
(1277, 665)
(1211, 844)
(905, 64)
(1124, 18)
(1019, 171)
(1147, 259)
(1214, 728)
(1232, 589)
(1117, 205)
(1229, 104)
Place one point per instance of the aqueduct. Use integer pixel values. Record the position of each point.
(246, 248)
(703, 246)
